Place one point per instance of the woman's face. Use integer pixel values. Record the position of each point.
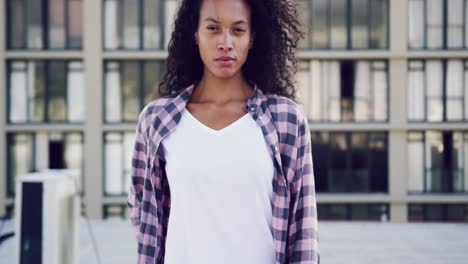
(224, 36)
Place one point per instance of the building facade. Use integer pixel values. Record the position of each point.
(383, 83)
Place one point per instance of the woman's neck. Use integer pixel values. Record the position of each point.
(220, 91)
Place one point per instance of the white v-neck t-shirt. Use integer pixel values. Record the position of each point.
(221, 189)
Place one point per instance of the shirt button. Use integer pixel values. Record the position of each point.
(276, 149)
(252, 108)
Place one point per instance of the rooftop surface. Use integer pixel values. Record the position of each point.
(340, 242)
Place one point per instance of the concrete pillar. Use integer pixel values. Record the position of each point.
(398, 114)
(93, 140)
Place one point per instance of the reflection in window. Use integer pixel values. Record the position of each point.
(45, 91)
(146, 24)
(437, 162)
(438, 212)
(437, 24)
(350, 162)
(129, 86)
(342, 24)
(437, 90)
(29, 152)
(118, 151)
(44, 24)
(354, 212)
(343, 90)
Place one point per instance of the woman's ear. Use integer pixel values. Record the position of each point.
(196, 38)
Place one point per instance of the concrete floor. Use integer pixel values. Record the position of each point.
(340, 242)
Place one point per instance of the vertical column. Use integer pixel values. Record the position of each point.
(3, 110)
(398, 114)
(93, 145)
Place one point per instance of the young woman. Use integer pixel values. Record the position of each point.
(222, 168)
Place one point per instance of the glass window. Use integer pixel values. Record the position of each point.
(305, 17)
(437, 90)
(170, 9)
(438, 212)
(34, 30)
(360, 29)
(75, 28)
(130, 24)
(378, 162)
(75, 92)
(20, 158)
(338, 18)
(320, 25)
(118, 153)
(57, 23)
(434, 97)
(350, 162)
(416, 23)
(146, 24)
(29, 152)
(344, 24)
(455, 24)
(44, 24)
(337, 175)
(337, 91)
(359, 162)
(437, 162)
(434, 23)
(416, 91)
(437, 24)
(433, 152)
(112, 20)
(17, 25)
(353, 212)
(45, 91)
(154, 72)
(378, 24)
(56, 94)
(454, 84)
(152, 27)
(416, 162)
(129, 86)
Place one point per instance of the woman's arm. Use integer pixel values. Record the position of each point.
(138, 172)
(303, 225)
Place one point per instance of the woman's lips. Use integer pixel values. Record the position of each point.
(225, 63)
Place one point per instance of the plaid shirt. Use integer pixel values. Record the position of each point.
(286, 131)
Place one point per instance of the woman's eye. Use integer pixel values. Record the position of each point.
(239, 30)
(211, 28)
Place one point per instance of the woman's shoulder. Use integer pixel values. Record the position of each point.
(153, 109)
(284, 109)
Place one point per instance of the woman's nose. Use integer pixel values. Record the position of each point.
(225, 43)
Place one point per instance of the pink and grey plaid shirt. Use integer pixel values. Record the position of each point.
(286, 131)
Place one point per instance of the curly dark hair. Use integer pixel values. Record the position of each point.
(271, 62)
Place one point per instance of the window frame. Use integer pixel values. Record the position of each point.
(46, 63)
(45, 27)
(445, 27)
(445, 171)
(464, 97)
(141, 64)
(33, 135)
(369, 135)
(349, 27)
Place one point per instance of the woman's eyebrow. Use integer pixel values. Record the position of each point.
(218, 22)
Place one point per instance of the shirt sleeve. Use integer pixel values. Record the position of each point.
(303, 225)
(138, 172)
